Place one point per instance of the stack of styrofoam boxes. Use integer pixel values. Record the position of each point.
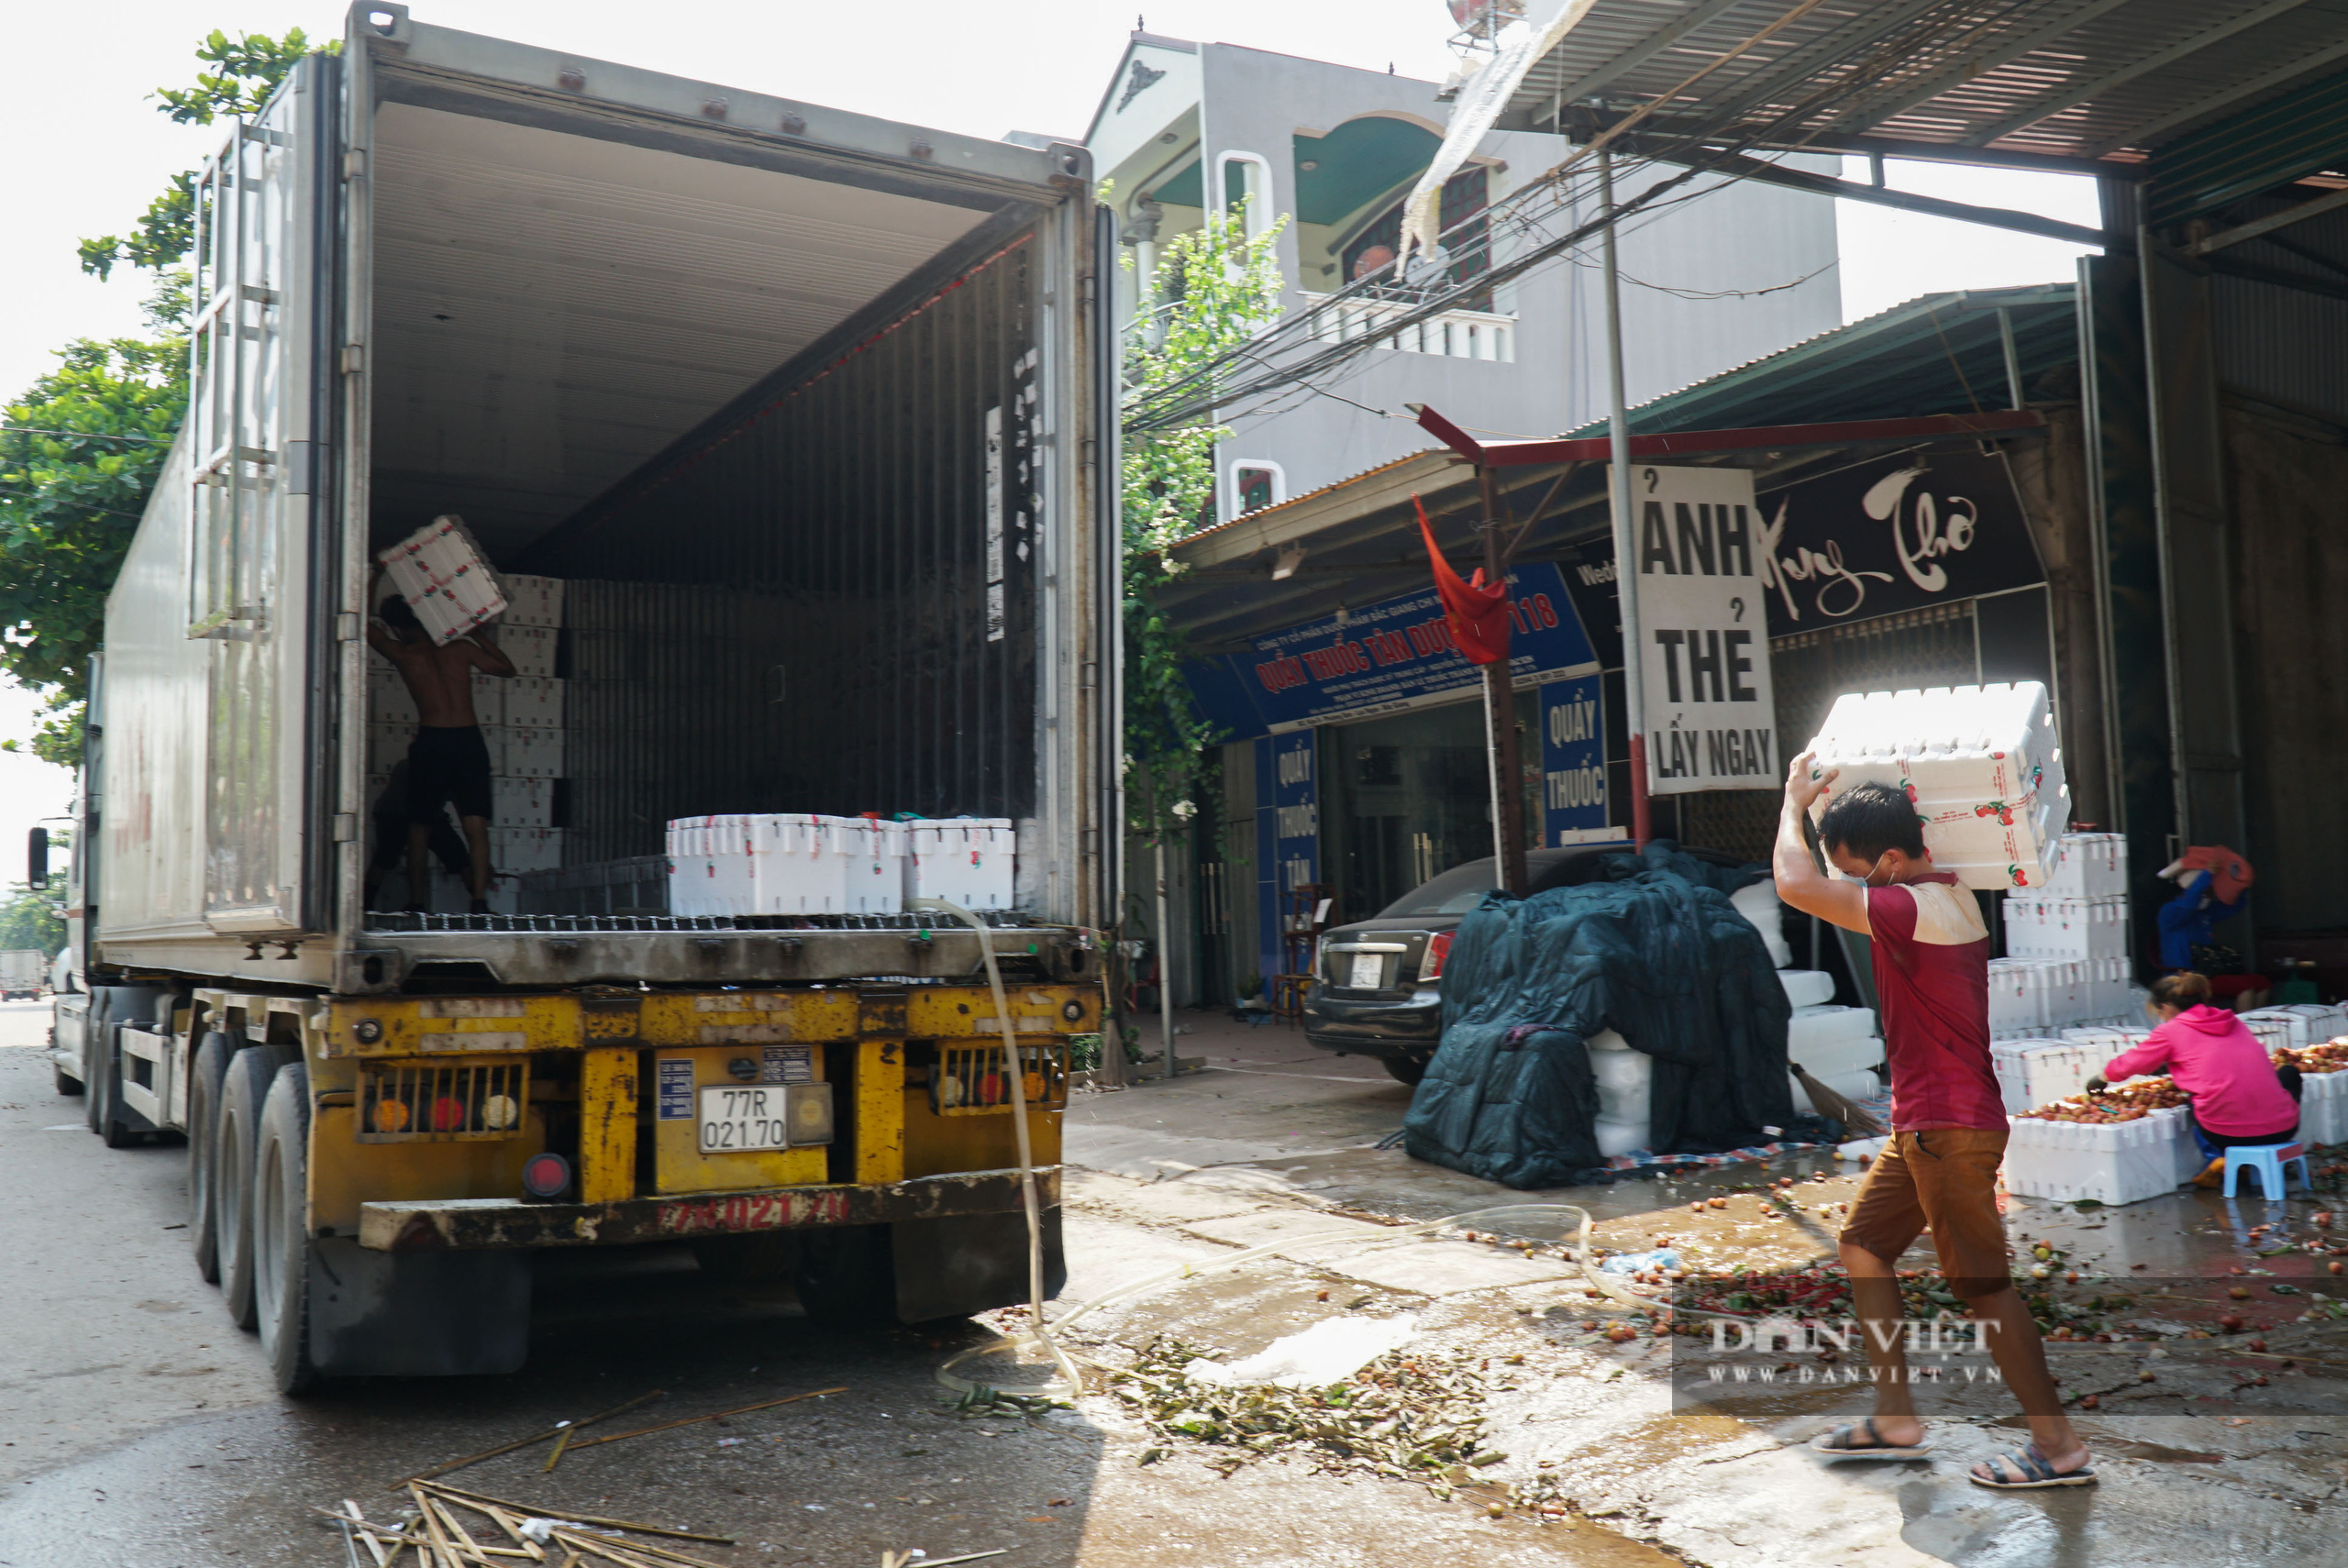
(1836, 1045)
(1981, 765)
(965, 860)
(787, 863)
(1625, 1082)
(2120, 1162)
(2323, 1108)
(2031, 1073)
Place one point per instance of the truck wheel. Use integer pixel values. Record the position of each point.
(761, 1254)
(204, 1084)
(94, 1078)
(846, 1277)
(280, 1230)
(67, 1084)
(113, 1130)
(234, 1136)
(1401, 1069)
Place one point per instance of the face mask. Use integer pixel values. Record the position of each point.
(1868, 880)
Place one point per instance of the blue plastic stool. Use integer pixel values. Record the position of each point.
(2272, 1163)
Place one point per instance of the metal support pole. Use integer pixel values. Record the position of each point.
(1165, 974)
(1509, 868)
(2013, 358)
(1627, 548)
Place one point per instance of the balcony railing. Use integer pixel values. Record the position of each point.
(1456, 334)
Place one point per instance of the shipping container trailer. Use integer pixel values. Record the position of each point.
(803, 418)
(24, 971)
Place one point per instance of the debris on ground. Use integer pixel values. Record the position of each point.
(453, 1529)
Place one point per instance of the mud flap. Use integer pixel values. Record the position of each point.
(375, 1314)
(951, 1268)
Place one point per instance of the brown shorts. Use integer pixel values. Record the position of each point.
(1944, 1180)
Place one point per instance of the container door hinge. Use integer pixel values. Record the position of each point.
(348, 627)
(354, 164)
(354, 358)
(346, 826)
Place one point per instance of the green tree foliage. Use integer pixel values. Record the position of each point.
(28, 916)
(1220, 287)
(247, 70)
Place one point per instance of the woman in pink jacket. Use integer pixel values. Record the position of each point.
(2239, 1096)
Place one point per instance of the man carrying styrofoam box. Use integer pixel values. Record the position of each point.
(1939, 1170)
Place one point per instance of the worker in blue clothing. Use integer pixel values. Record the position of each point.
(2210, 883)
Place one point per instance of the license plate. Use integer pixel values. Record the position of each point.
(1370, 971)
(745, 1118)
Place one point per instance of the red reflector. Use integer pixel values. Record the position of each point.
(1438, 949)
(545, 1176)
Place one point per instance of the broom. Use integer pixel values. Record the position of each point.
(1824, 1100)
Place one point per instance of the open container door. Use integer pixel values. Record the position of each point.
(262, 211)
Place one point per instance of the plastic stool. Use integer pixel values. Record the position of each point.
(2271, 1161)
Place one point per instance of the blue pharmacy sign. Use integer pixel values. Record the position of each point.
(1385, 657)
(1288, 835)
(1573, 761)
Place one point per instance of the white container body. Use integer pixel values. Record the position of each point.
(2034, 1073)
(2090, 865)
(2293, 1023)
(2123, 1162)
(967, 860)
(874, 862)
(798, 864)
(2042, 925)
(2323, 1108)
(1807, 988)
(1981, 764)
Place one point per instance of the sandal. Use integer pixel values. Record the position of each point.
(2035, 1469)
(1842, 1443)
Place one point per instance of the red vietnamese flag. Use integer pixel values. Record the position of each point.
(1478, 613)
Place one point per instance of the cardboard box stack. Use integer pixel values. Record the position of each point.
(522, 723)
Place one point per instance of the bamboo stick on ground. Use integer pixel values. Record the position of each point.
(532, 1511)
(643, 1549)
(557, 1431)
(374, 1547)
(714, 1415)
(443, 1554)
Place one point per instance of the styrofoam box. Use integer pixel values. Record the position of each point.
(514, 851)
(2323, 1022)
(2293, 1023)
(445, 579)
(1624, 1077)
(1856, 1085)
(489, 698)
(709, 865)
(533, 702)
(531, 648)
(387, 746)
(796, 865)
(389, 702)
(875, 865)
(1981, 763)
(1826, 1023)
(1835, 1058)
(2031, 1073)
(523, 753)
(2121, 1163)
(2323, 1108)
(2090, 865)
(533, 601)
(521, 802)
(967, 860)
(1758, 902)
(1807, 988)
(2040, 925)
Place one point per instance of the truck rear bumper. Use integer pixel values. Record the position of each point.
(483, 1223)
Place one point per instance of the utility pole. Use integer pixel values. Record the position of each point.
(1626, 540)
(1509, 868)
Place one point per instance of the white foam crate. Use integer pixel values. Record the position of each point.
(2090, 865)
(533, 601)
(1841, 1057)
(514, 851)
(709, 865)
(521, 802)
(444, 578)
(2124, 1161)
(387, 746)
(1807, 988)
(1856, 1085)
(2273, 1033)
(489, 698)
(2323, 1022)
(1759, 904)
(2323, 1108)
(875, 864)
(969, 860)
(521, 753)
(1982, 764)
(2038, 925)
(389, 702)
(531, 649)
(2031, 1073)
(797, 864)
(532, 702)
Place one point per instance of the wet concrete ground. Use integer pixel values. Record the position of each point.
(140, 1427)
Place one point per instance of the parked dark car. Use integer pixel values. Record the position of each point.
(1377, 983)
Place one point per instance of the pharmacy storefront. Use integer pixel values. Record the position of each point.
(1360, 735)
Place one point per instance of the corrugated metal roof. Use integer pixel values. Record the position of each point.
(2079, 79)
(1937, 354)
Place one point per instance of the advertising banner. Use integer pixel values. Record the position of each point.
(1573, 761)
(1711, 716)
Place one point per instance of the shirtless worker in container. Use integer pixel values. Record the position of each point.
(1938, 1172)
(448, 763)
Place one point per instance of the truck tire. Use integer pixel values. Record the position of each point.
(203, 1085)
(67, 1084)
(114, 1129)
(1401, 1069)
(235, 1135)
(846, 1277)
(280, 1230)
